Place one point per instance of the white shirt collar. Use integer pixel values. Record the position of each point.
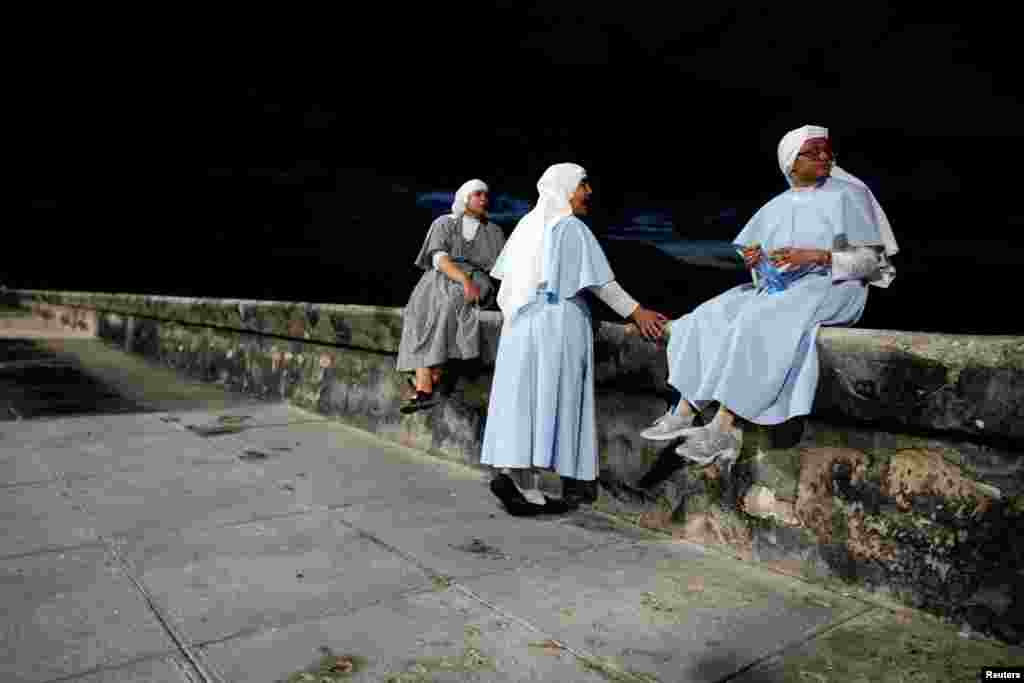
(470, 225)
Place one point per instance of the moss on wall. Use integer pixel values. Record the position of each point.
(933, 521)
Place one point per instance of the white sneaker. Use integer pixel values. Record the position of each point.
(669, 426)
(708, 445)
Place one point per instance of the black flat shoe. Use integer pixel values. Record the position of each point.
(418, 402)
(516, 503)
(513, 499)
(559, 506)
(576, 492)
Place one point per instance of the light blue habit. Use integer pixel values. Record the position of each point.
(754, 351)
(541, 410)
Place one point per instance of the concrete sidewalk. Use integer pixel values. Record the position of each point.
(205, 538)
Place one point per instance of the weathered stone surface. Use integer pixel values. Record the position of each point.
(779, 471)
(624, 360)
(967, 384)
(970, 384)
(907, 522)
(366, 327)
(914, 473)
(907, 479)
(760, 501)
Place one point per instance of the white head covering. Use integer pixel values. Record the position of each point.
(462, 195)
(521, 261)
(790, 146)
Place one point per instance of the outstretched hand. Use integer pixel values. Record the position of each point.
(650, 322)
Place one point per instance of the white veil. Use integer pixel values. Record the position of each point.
(520, 266)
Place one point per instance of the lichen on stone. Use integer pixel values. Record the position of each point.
(760, 502)
(329, 668)
(471, 659)
(916, 472)
(779, 470)
(957, 352)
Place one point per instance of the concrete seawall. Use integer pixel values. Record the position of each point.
(908, 478)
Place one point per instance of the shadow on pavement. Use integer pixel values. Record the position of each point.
(37, 382)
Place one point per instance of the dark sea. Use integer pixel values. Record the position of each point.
(670, 259)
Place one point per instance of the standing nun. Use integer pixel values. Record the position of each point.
(541, 409)
(752, 349)
(442, 319)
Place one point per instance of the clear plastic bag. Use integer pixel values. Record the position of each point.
(771, 279)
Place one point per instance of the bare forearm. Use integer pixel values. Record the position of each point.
(452, 271)
(796, 256)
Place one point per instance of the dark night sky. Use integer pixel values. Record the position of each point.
(280, 131)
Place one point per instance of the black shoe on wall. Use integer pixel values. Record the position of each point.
(418, 402)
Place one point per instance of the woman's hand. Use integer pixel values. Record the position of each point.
(471, 291)
(789, 256)
(752, 256)
(650, 322)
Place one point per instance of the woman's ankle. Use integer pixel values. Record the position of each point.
(683, 409)
(724, 420)
(424, 382)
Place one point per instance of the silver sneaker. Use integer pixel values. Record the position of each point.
(669, 426)
(707, 445)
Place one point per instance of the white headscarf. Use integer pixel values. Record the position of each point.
(462, 195)
(520, 265)
(790, 146)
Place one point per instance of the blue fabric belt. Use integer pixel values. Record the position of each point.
(544, 296)
(773, 281)
(468, 266)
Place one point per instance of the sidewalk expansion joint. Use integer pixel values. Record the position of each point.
(586, 657)
(813, 635)
(52, 550)
(185, 648)
(431, 573)
(42, 483)
(123, 537)
(99, 670)
(285, 622)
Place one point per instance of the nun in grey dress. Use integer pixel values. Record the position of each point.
(442, 319)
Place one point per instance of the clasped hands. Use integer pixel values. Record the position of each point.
(471, 291)
(786, 256)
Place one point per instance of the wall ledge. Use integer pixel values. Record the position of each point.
(968, 385)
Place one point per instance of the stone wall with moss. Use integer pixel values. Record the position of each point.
(907, 479)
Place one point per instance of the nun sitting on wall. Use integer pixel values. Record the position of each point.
(813, 250)
(442, 319)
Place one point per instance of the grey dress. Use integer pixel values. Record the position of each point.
(437, 323)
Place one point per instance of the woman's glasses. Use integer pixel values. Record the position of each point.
(815, 153)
